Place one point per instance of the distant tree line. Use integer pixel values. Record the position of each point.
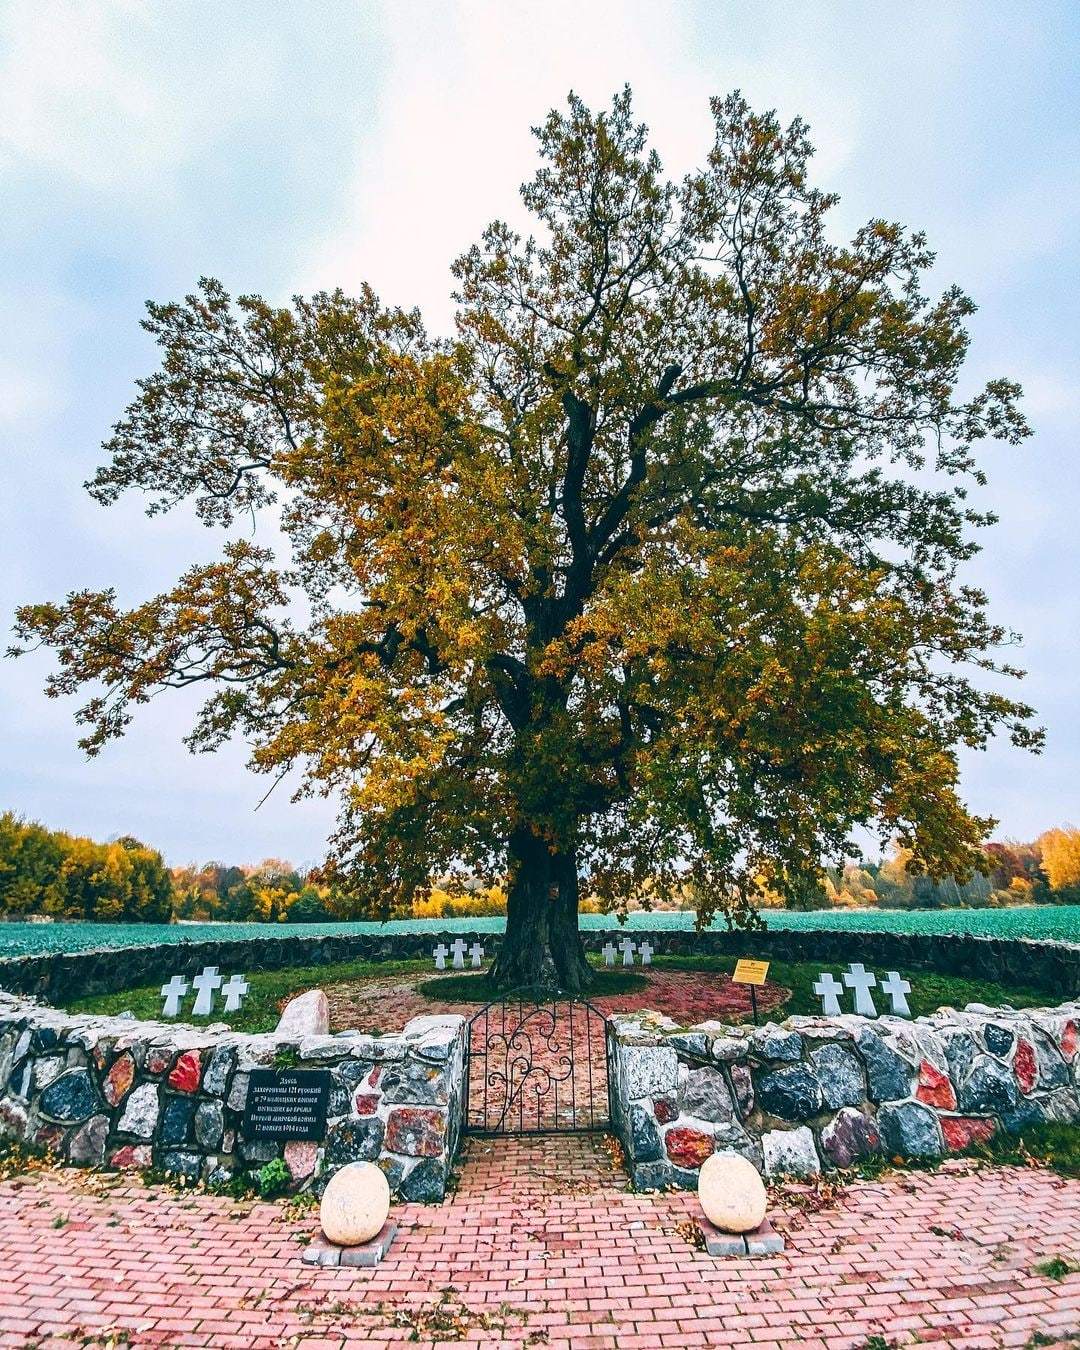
(271, 891)
(63, 876)
(52, 874)
(1045, 871)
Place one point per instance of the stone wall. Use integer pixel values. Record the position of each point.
(119, 1093)
(813, 1093)
(1053, 967)
(56, 977)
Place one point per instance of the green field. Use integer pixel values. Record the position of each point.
(1058, 922)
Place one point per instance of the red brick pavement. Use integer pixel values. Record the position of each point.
(541, 1245)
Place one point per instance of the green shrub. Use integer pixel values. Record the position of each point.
(273, 1179)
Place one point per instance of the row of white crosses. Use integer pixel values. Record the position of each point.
(205, 985)
(861, 980)
(457, 950)
(628, 948)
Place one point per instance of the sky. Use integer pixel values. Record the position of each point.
(285, 148)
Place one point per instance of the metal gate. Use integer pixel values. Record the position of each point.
(537, 1064)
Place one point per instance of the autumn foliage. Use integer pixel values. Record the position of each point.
(646, 575)
(64, 876)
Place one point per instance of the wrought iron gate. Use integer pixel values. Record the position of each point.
(537, 1064)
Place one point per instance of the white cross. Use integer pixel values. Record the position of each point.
(860, 979)
(234, 989)
(646, 953)
(829, 989)
(205, 983)
(477, 954)
(440, 954)
(172, 993)
(628, 949)
(609, 953)
(897, 989)
(458, 949)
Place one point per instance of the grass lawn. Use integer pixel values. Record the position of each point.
(268, 989)
(929, 991)
(1058, 1146)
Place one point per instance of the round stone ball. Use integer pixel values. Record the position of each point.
(355, 1204)
(731, 1193)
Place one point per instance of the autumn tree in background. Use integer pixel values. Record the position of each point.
(1060, 855)
(1015, 866)
(48, 872)
(648, 575)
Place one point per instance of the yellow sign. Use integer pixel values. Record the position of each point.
(750, 972)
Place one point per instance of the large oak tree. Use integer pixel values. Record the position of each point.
(647, 576)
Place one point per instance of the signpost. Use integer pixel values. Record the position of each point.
(751, 973)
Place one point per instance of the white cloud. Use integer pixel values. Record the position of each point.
(25, 394)
(70, 102)
(35, 345)
(462, 86)
(1051, 397)
(115, 96)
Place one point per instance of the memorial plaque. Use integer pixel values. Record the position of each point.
(286, 1104)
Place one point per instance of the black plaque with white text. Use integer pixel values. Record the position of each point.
(286, 1104)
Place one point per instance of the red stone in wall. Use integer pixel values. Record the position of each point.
(416, 1131)
(1025, 1066)
(301, 1157)
(664, 1109)
(366, 1103)
(743, 1084)
(1070, 1039)
(118, 1080)
(186, 1072)
(131, 1155)
(935, 1088)
(687, 1147)
(49, 1136)
(157, 1061)
(962, 1131)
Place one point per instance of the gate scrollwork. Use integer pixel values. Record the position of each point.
(537, 1064)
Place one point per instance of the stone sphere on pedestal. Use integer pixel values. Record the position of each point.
(355, 1204)
(732, 1193)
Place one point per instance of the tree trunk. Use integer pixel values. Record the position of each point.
(542, 946)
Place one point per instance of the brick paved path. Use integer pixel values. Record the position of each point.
(541, 1245)
(386, 1003)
